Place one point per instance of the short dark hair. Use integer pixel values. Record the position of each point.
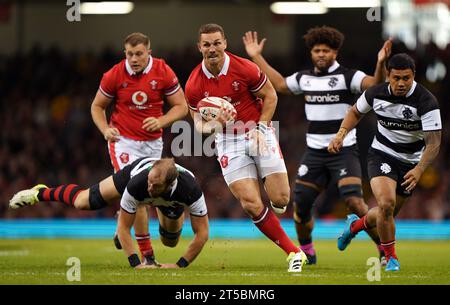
(169, 167)
(137, 38)
(210, 28)
(324, 35)
(401, 61)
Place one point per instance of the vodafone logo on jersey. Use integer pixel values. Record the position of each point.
(139, 98)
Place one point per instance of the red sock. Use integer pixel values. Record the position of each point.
(389, 249)
(66, 193)
(145, 246)
(269, 224)
(359, 225)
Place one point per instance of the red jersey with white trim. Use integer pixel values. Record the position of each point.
(138, 96)
(237, 82)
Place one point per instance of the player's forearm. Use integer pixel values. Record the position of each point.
(350, 121)
(380, 73)
(431, 151)
(126, 241)
(195, 247)
(268, 110)
(274, 76)
(99, 118)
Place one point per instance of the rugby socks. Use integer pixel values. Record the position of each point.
(359, 225)
(66, 193)
(389, 249)
(269, 224)
(307, 246)
(145, 246)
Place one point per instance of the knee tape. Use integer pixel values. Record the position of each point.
(169, 235)
(96, 200)
(304, 201)
(350, 190)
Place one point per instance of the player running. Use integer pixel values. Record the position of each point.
(407, 141)
(329, 90)
(241, 82)
(139, 85)
(146, 181)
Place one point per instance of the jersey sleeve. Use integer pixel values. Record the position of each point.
(356, 82)
(364, 103)
(171, 83)
(128, 202)
(429, 113)
(192, 94)
(293, 83)
(108, 83)
(198, 208)
(255, 76)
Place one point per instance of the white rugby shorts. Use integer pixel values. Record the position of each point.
(125, 151)
(239, 160)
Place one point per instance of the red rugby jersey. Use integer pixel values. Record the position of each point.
(237, 82)
(138, 96)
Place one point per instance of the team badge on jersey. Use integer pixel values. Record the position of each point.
(235, 86)
(124, 84)
(154, 84)
(407, 113)
(206, 93)
(333, 82)
(139, 98)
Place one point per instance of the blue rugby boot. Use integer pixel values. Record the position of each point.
(347, 236)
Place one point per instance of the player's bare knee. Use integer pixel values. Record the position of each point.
(357, 205)
(82, 200)
(387, 208)
(281, 199)
(251, 205)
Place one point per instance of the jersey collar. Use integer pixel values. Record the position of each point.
(331, 69)
(146, 70)
(224, 70)
(411, 91)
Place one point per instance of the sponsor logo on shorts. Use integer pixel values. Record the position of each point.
(124, 157)
(302, 170)
(343, 172)
(385, 168)
(224, 161)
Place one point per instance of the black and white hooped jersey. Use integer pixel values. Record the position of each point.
(328, 97)
(185, 191)
(402, 120)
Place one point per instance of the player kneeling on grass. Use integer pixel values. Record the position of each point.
(160, 183)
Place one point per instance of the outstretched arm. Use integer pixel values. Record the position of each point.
(254, 51)
(380, 70)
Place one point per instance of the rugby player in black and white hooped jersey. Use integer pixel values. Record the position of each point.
(407, 141)
(160, 183)
(329, 90)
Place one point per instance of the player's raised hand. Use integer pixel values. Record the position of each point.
(412, 178)
(151, 124)
(251, 44)
(385, 51)
(111, 134)
(335, 145)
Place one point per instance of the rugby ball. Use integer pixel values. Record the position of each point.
(209, 108)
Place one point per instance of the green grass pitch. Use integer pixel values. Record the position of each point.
(235, 262)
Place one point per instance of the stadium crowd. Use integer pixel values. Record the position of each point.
(47, 133)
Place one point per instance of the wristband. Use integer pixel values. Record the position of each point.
(134, 260)
(182, 262)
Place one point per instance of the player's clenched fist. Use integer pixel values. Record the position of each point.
(111, 134)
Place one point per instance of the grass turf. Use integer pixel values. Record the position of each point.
(234, 262)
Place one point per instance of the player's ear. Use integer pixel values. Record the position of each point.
(199, 47)
(149, 51)
(225, 44)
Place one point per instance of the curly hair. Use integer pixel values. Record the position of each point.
(324, 35)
